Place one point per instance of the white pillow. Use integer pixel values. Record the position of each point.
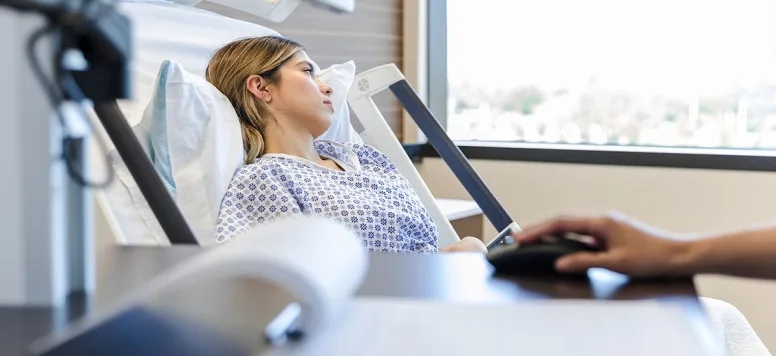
(340, 78)
(196, 144)
(196, 141)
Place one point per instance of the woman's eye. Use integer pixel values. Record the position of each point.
(311, 71)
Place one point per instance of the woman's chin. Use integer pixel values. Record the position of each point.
(321, 129)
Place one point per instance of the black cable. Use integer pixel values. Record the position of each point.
(55, 98)
(72, 89)
(52, 94)
(68, 82)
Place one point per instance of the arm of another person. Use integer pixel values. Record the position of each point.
(633, 248)
(467, 244)
(253, 197)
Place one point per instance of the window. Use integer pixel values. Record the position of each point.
(688, 73)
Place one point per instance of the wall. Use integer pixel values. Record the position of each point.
(33, 264)
(678, 199)
(370, 36)
(12, 253)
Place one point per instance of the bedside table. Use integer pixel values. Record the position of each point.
(465, 216)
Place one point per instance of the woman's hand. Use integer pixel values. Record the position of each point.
(628, 246)
(467, 244)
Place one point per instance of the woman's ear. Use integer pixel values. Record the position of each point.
(258, 87)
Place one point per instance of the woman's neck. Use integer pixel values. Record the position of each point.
(290, 141)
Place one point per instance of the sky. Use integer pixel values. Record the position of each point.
(675, 47)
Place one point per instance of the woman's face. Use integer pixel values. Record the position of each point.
(301, 96)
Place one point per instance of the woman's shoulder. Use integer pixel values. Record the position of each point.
(361, 151)
(263, 168)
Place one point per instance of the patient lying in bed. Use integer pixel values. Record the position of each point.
(283, 107)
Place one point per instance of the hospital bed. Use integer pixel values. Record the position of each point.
(191, 36)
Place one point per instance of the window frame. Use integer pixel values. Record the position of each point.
(761, 160)
(437, 59)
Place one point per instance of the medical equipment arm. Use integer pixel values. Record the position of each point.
(103, 37)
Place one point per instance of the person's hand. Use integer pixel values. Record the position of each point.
(627, 246)
(467, 244)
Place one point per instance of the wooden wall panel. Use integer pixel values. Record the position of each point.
(371, 36)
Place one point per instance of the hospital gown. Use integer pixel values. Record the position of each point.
(370, 197)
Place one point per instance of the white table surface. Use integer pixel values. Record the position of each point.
(456, 209)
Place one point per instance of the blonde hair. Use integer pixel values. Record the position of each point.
(230, 68)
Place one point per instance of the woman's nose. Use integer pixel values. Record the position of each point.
(325, 89)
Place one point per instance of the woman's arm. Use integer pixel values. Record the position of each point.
(633, 248)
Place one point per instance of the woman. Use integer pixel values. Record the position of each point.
(283, 107)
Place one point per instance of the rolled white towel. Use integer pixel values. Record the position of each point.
(729, 323)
